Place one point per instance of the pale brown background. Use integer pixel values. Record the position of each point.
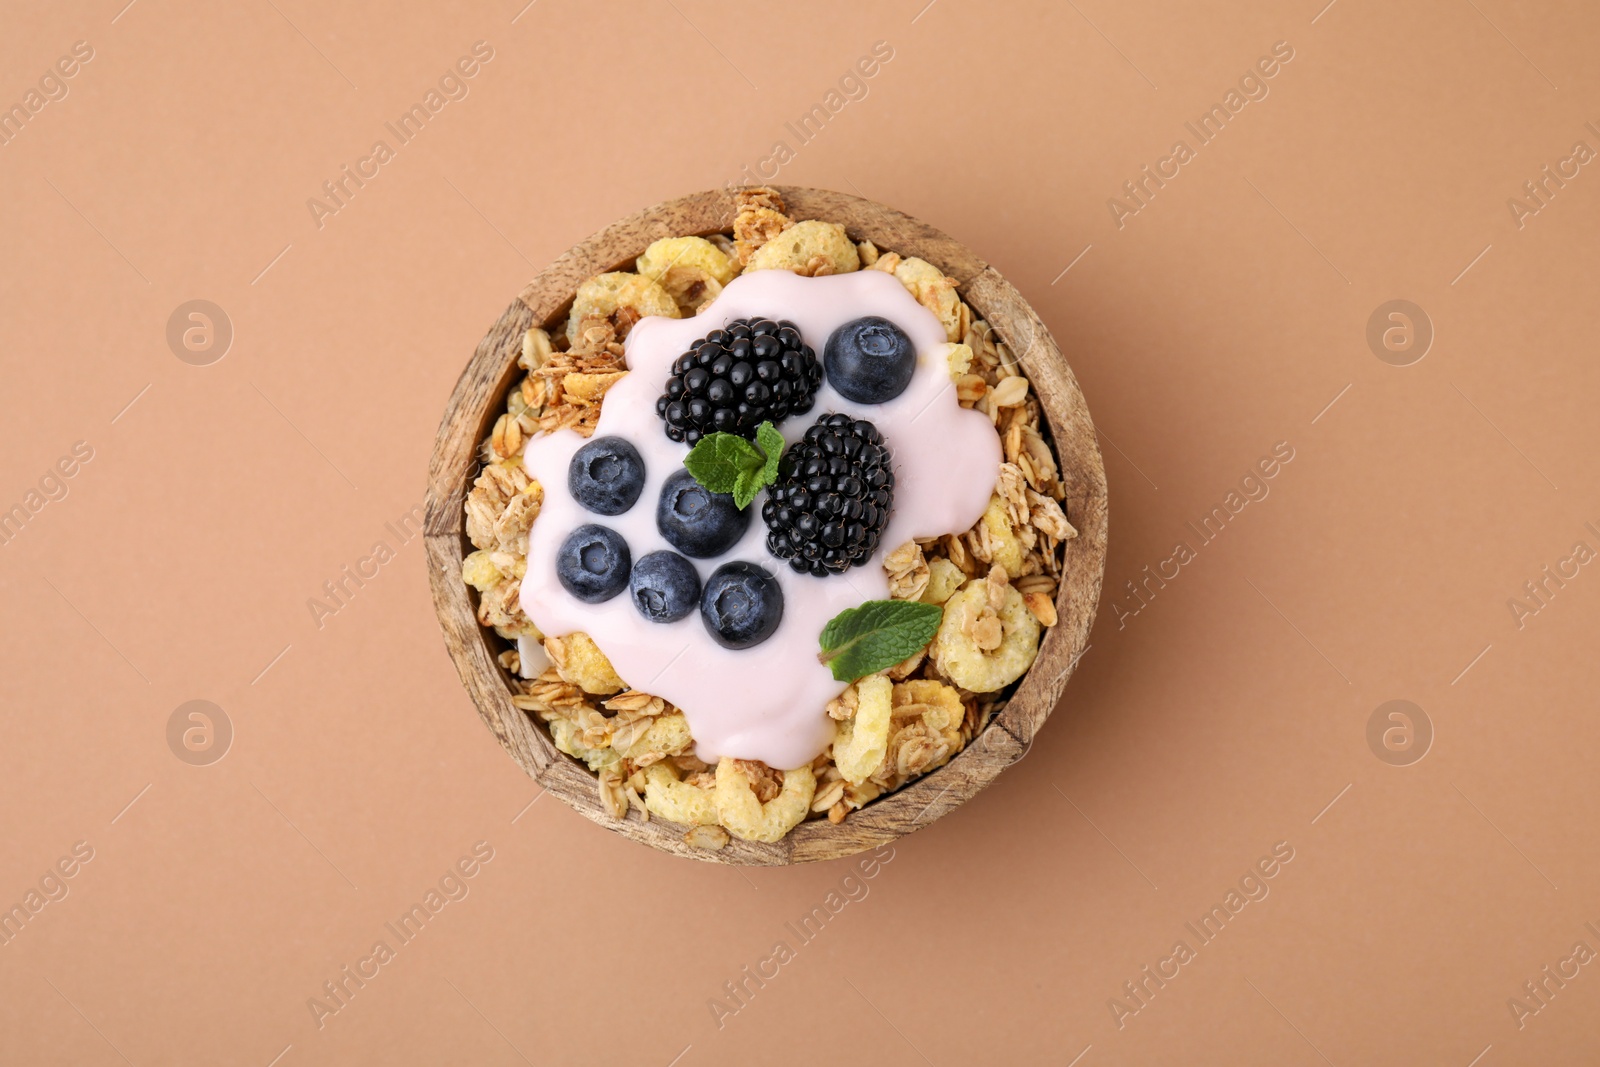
(1225, 717)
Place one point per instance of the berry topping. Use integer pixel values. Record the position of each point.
(593, 563)
(665, 587)
(831, 501)
(696, 521)
(869, 360)
(741, 606)
(732, 379)
(606, 475)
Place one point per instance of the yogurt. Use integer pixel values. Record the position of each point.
(768, 702)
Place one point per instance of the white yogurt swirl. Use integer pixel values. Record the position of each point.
(764, 703)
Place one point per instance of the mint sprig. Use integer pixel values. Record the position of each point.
(875, 636)
(727, 463)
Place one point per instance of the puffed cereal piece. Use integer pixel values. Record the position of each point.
(959, 358)
(668, 735)
(933, 291)
(944, 578)
(859, 748)
(479, 571)
(812, 248)
(944, 710)
(580, 662)
(969, 666)
(681, 802)
(1006, 547)
(746, 817)
(621, 297)
(691, 269)
(565, 733)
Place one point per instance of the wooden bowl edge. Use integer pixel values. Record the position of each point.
(473, 405)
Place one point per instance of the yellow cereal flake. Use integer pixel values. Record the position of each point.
(565, 733)
(942, 705)
(668, 735)
(621, 297)
(862, 741)
(933, 291)
(959, 359)
(692, 270)
(811, 248)
(958, 652)
(1006, 547)
(581, 663)
(667, 798)
(479, 571)
(944, 578)
(746, 817)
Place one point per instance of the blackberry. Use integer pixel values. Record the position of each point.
(831, 500)
(734, 378)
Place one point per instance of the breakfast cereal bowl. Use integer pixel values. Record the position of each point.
(766, 525)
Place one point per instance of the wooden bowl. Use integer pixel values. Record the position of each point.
(479, 397)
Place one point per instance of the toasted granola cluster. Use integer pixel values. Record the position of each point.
(996, 582)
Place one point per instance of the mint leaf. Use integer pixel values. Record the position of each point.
(727, 463)
(745, 489)
(875, 636)
(717, 460)
(770, 441)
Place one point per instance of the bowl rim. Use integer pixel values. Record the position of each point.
(479, 397)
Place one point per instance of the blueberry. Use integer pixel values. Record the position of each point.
(869, 360)
(665, 587)
(741, 605)
(696, 521)
(606, 475)
(593, 563)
